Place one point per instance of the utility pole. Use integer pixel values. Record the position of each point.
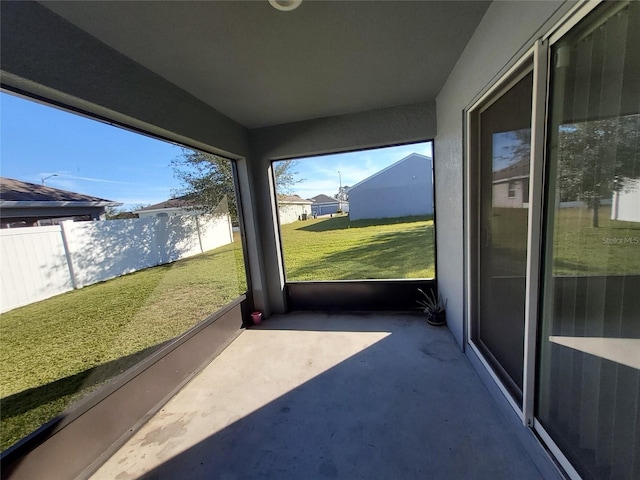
(46, 178)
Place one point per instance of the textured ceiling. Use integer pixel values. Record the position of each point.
(260, 66)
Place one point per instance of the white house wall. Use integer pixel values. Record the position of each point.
(168, 212)
(290, 213)
(501, 198)
(403, 190)
(626, 204)
(506, 29)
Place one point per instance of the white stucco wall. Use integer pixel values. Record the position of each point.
(501, 198)
(626, 204)
(506, 29)
(289, 212)
(402, 190)
(377, 128)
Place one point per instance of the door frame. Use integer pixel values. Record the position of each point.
(539, 55)
(472, 210)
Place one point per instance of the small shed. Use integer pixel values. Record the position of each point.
(403, 189)
(292, 208)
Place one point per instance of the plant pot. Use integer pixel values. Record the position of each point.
(256, 317)
(437, 319)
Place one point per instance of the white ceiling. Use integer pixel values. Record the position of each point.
(260, 66)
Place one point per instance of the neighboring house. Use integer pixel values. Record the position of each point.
(292, 208)
(168, 208)
(402, 189)
(24, 204)
(325, 205)
(511, 185)
(625, 204)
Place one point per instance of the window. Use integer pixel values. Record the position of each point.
(83, 301)
(359, 215)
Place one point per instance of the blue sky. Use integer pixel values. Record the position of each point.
(97, 159)
(320, 174)
(504, 146)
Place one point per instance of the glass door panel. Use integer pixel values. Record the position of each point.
(588, 396)
(505, 147)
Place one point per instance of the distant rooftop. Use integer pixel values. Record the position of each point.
(519, 169)
(322, 198)
(293, 199)
(12, 190)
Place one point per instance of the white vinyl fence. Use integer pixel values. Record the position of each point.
(40, 262)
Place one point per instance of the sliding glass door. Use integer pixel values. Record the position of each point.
(502, 216)
(554, 248)
(588, 394)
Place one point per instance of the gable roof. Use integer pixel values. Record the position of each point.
(519, 169)
(294, 199)
(411, 155)
(16, 193)
(322, 198)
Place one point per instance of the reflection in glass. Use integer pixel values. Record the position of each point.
(589, 365)
(505, 148)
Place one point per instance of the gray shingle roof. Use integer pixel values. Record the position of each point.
(12, 190)
(293, 199)
(324, 199)
(519, 169)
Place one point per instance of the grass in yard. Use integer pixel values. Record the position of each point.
(339, 249)
(54, 351)
(613, 248)
(579, 249)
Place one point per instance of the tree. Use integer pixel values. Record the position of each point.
(597, 158)
(206, 180)
(113, 213)
(343, 193)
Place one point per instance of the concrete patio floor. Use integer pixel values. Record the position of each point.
(313, 395)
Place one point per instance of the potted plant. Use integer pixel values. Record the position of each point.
(433, 307)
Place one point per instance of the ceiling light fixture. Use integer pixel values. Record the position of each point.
(285, 5)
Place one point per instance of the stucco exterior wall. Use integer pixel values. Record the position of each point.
(506, 31)
(402, 190)
(501, 198)
(46, 55)
(291, 212)
(378, 128)
(626, 204)
(165, 212)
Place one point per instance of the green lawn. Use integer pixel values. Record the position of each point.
(612, 248)
(338, 249)
(56, 350)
